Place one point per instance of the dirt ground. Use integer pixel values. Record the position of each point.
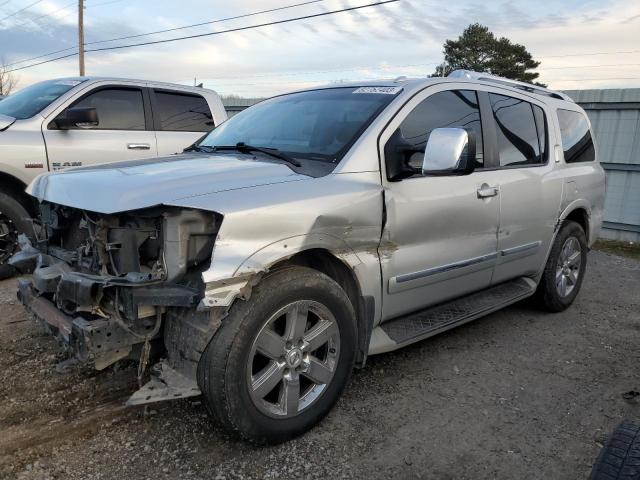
(518, 394)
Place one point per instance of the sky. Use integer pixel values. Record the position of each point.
(580, 43)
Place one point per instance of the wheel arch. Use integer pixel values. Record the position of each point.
(580, 213)
(15, 188)
(325, 261)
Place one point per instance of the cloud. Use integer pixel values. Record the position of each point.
(403, 38)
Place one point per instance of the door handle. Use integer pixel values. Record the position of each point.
(486, 191)
(138, 146)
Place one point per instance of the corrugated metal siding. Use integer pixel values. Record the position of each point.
(615, 117)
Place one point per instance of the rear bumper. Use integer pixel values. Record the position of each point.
(100, 342)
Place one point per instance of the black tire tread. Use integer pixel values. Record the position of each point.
(619, 459)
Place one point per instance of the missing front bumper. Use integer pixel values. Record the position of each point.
(100, 342)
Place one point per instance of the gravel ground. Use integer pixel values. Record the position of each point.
(518, 394)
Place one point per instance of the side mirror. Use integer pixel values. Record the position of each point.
(77, 118)
(449, 151)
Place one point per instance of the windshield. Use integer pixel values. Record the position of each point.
(33, 99)
(317, 124)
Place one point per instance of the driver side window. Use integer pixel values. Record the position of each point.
(453, 108)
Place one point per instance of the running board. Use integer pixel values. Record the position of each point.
(412, 328)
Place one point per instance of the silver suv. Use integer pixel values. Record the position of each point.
(312, 230)
(68, 122)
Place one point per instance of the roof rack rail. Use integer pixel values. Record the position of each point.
(471, 75)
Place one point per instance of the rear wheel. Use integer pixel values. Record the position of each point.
(565, 268)
(281, 359)
(14, 220)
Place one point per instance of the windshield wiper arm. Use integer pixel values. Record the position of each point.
(273, 152)
(199, 148)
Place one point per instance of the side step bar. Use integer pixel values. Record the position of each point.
(414, 327)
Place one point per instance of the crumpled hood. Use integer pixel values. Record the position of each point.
(6, 121)
(117, 187)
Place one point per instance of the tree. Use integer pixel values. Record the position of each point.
(478, 49)
(8, 80)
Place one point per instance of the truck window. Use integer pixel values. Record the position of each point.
(576, 137)
(118, 108)
(183, 113)
(521, 131)
(454, 108)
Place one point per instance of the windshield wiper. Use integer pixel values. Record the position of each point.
(273, 152)
(199, 148)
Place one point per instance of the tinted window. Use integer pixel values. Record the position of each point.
(186, 113)
(576, 137)
(520, 133)
(34, 98)
(454, 108)
(316, 124)
(118, 108)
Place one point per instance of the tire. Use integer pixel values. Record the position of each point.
(232, 360)
(619, 459)
(571, 236)
(14, 220)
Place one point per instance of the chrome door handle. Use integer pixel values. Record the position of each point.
(486, 191)
(138, 146)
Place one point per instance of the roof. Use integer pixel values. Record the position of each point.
(605, 95)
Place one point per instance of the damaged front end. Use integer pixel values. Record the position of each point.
(123, 286)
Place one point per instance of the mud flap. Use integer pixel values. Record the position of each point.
(165, 384)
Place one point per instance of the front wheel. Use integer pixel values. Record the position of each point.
(282, 358)
(565, 268)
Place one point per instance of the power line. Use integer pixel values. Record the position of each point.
(588, 54)
(237, 29)
(159, 31)
(592, 66)
(21, 10)
(206, 23)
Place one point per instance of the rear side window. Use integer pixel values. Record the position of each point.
(117, 108)
(454, 108)
(576, 137)
(521, 131)
(183, 113)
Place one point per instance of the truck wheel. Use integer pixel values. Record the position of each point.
(564, 271)
(619, 459)
(281, 359)
(14, 219)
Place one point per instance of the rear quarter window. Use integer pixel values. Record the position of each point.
(577, 143)
(182, 112)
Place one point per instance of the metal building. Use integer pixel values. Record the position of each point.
(615, 117)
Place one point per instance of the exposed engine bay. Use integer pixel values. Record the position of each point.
(106, 284)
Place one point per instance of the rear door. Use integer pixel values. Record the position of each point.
(530, 189)
(180, 118)
(123, 132)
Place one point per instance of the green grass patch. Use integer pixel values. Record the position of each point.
(616, 247)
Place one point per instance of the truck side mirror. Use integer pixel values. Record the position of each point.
(79, 117)
(449, 151)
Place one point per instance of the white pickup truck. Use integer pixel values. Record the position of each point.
(84, 121)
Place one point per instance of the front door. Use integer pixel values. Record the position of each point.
(440, 236)
(124, 131)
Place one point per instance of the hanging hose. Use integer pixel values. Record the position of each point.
(146, 347)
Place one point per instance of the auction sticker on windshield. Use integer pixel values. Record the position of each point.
(382, 90)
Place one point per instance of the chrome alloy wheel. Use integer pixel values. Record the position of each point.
(293, 358)
(8, 237)
(568, 266)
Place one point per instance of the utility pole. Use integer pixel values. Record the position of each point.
(81, 36)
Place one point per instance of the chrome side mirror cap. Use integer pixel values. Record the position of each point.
(449, 151)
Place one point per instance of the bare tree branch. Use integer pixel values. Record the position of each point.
(8, 80)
